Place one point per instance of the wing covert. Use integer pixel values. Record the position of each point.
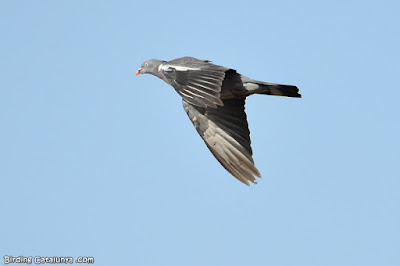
(198, 84)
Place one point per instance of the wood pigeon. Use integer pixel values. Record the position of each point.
(213, 97)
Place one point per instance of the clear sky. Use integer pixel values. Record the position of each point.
(97, 162)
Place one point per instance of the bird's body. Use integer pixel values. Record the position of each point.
(214, 97)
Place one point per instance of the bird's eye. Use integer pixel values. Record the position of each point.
(147, 64)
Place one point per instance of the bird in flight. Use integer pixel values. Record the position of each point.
(213, 97)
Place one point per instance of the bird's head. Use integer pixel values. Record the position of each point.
(150, 67)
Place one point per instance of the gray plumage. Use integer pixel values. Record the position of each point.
(214, 97)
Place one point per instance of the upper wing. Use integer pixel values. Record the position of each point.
(199, 82)
(225, 132)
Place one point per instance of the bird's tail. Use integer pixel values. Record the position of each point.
(278, 89)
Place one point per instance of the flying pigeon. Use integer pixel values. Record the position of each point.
(213, 97)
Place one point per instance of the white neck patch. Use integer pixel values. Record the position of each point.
(160, 66)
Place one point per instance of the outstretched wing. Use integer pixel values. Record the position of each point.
(199, 82)
(225, 132)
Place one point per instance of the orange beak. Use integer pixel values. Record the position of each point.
(138, 72)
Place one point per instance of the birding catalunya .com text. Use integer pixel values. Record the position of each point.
(47, 260)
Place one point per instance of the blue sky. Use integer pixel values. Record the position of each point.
(97, 162)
